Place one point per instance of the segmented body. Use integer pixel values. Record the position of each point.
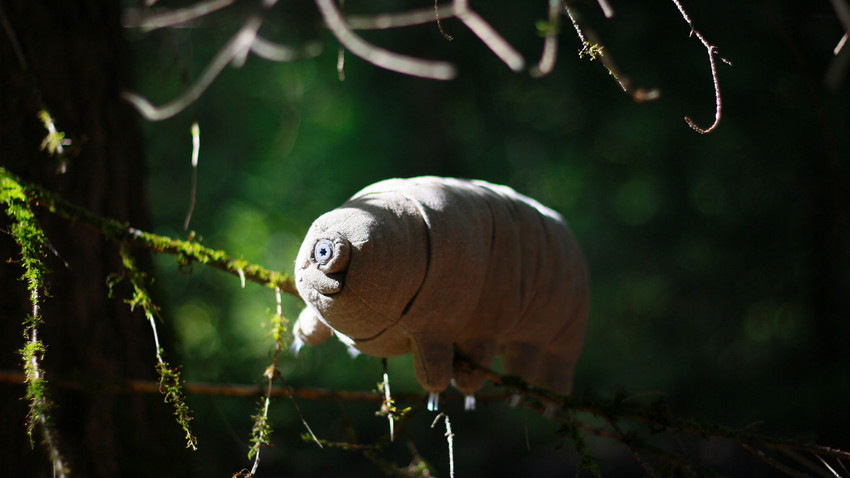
(432, 265)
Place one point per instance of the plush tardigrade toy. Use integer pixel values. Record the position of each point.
(426, 265)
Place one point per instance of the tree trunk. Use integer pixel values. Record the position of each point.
(70, 58)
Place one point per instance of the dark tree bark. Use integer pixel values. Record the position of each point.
(69, 57)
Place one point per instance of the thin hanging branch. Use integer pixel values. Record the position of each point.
(837, 68)
(134, 18)
(278, 53)
(235, 52)
(238, 46)
(196, 147)
(261, 432)
(606, 8)
(489, 36)
(247, 40)
(385, 21)
(170, 384)
(712, 52)
(459, 9)
(439, 23)
(550, 30)
(449, 440)
(592, 47)
(437, 70)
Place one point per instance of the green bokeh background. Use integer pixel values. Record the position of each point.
(705, 251)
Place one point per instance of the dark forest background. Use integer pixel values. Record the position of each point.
(718, 262)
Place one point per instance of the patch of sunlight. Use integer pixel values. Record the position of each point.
(245, 230)
(197, 333)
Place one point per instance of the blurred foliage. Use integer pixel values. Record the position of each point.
(706, 252)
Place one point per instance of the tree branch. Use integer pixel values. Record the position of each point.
(437, 70)
(593, 48)
(712, 52)
(187, 251)
(135, 18)
(654, 415)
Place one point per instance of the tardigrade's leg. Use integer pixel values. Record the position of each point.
(432, 361)
(480, 352)
(309, 329)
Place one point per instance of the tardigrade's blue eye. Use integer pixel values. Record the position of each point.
(323, 252)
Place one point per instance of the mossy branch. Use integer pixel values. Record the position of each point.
(169, 377)
(27, 232)
(187, 251)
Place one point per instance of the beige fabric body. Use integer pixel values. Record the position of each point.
(424, 265)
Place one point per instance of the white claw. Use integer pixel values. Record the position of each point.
(469, 403)
(297, 343)
(515, 398)
(433, 401)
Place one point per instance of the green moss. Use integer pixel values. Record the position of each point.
(36, 394)
(55, 141)
(591, 50)
(171, 387)
(169, 377)
(187, 251)
(260, 432)
(27, 232)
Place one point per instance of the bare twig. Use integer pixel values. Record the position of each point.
(340, 55)
(439, 23)
(550, 40)
(234, 52)
(840, 45)
(134, 18)
(827, 472)
(388, 402)
(606, 8)
(239, 45)
(837, 68)
(449, 439)
(386, 21)
(712, 52)
(834, 474)
(196, 147)
(272, 51)
(488, 35)
(592, 47)
(380, 57)
(458, 9)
